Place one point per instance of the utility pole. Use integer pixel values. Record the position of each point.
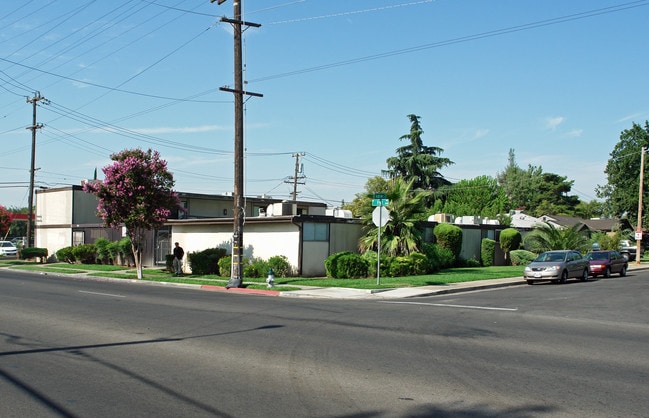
(638, 235)
(30, 214)
(296, 179)
(236, 276)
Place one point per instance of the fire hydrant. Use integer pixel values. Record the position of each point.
(270, 280)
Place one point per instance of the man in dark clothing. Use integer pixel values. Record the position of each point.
(179, 253)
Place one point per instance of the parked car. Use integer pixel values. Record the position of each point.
(607, 262)
(8, 248)
(19, 242)
(557, 266)
(629, 249)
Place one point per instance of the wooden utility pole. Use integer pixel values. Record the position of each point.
(640, 193)
(30, 214)
(236, 276)
(296, 178)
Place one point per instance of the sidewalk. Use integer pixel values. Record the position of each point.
(410, 292)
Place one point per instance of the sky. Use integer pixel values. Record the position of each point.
(557, 81)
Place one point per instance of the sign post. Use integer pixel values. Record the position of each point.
(380, 217)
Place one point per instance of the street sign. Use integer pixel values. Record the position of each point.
(380, 202)
(380, 196)
(381, 216)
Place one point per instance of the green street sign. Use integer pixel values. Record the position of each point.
(380, 202)
(380, 196)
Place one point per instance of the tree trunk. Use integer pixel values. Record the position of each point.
(137, 255)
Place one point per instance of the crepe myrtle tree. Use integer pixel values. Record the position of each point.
(5, 221)
(137, 193)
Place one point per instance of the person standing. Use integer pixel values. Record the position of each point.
(179, 253)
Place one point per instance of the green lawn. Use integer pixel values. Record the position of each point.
(455, 275)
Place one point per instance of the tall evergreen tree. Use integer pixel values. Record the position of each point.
(417, 162)
(623, 174)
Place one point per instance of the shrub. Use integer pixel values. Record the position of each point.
(450, 237)
(126, 251)
(65, 255)
(439, 257)
(510, 240)
(113, 251)
(521, 257)
(280, 265)
(331, 264)
(256, 268)
(206, 261)
(350, 265)
(85, 253)
(225, 266)
(487, 252)
(432, 257)
(33, 252)
(169, 262)
(371, 258)
(103, 254)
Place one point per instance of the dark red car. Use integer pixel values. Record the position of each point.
(606, 262)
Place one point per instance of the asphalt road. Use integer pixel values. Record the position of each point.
(71, 347)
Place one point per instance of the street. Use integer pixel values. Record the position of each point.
(81, 348)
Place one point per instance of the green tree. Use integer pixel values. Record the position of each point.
(401, 235)
(5, 222)
(137, 193)
(417, 162)
(362, 203)
(481, 196)
(537, 192)
(623, 174)
(546, 237)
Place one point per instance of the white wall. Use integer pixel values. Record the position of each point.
(259, 240)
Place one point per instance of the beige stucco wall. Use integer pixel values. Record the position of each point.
(259, 240)
(54, 208)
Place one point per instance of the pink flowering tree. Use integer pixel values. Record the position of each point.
(5, 221)
(137, 192)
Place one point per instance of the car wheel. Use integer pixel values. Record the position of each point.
(584, 276)
(530, 282)
(607, 272)
(625, 256)
(623, 272)
(564, 277)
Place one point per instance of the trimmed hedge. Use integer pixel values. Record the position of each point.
(521, 257)
(33, 252)
(206, 261)
(487, 252)
(449, 237)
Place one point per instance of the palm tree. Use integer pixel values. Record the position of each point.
(546, 237)
(401, 235)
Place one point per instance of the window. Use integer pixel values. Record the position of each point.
(78, 238)
(315, 232)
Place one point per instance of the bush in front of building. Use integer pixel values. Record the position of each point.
(414, 264)
(449, 237)
(225, 266)
(331, 263)
(85, 253)
(521, 257)
(280, 265)
(65, 255)
(257, 268)
(103, 253)
(371, 257)
(33, 252)
(351, 266)
(206, 261)
(487, 252)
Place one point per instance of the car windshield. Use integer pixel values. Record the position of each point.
(6, 244)
(551, 257)
(597, 256)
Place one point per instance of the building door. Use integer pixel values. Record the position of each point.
(163, 245)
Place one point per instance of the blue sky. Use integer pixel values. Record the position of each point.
(557, 81)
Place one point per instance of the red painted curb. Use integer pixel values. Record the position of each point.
(241, 290)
